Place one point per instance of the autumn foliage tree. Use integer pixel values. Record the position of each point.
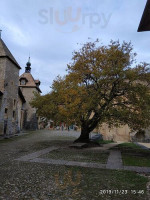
(104, 84)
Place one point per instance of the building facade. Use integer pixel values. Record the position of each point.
(9, 80)
(28, 86)
(16, 92)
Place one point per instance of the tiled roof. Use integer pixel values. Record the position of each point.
(30, 81)
(37, 82)
(23, 78)
(4, 52)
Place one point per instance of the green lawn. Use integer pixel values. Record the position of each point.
(78, 155)
(105, 141)
(42, 181)
(134, 155)
(95, 184)
(132, 160)
(27, 180)
(129, 145)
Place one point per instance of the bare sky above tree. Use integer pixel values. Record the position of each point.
(49, 30)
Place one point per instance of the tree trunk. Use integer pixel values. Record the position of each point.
(86, 129)
(84, 137)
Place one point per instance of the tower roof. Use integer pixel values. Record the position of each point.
(4, 52)
(28, 66)
(31, 83)
(29, 78)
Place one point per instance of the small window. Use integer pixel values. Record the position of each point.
(23, 82)
(6, 110)
(14, 115)
(6, 113)
(14, 102)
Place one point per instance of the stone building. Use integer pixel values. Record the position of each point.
(116, 134)
(21, 110)
(124, 134)
(16, 92)
(28, 86)
(9, 80)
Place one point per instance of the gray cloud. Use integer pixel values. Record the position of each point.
(51, 44)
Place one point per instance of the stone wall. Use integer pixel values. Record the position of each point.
(141, 136)
(21, 114)
(2, 73)
(31, 120)
(8, 113)
(2, 77)
(115, 134)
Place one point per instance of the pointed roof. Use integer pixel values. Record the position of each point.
(30, 81)
(37, 82)
(4, 52)
(28, 77)
(145, 20)
(28, 66)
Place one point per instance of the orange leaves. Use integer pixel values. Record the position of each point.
(101, 80)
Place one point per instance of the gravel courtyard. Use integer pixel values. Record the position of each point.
(41, 181)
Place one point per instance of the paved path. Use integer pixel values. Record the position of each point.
(16, 149)
(36, 154)
(110, 145)
(26, 174)
(114, 161)
(146, 145)
(106, 147)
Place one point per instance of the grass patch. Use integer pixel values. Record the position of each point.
(105, 141)
(78, 155)
(132, 160)
(134, 155)
(93, 182)
(15, 138)
(27, 180)
(136, 159)
(129, 145)
(131, 148)
(63, 183)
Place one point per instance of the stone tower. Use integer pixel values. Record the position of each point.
(9, 78)
(29, 86)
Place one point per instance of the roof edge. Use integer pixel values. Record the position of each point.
(26, 86)
(11, 61)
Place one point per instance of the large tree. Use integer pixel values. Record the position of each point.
(104, 84)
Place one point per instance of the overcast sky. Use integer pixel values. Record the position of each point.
(50, 29)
